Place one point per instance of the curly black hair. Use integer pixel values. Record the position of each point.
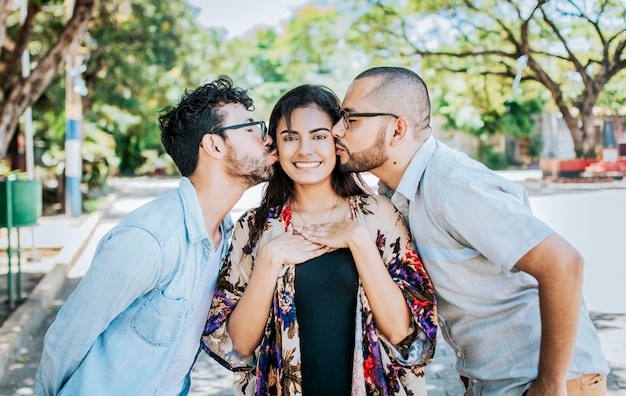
(197, 113)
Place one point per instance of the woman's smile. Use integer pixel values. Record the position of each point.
(307, 164)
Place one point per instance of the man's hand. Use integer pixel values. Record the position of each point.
(541, 388)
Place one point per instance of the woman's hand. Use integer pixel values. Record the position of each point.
(336, 235)
(247, 321)
(290, 248)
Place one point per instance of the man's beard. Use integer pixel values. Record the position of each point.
(368, 158)
(251, 170)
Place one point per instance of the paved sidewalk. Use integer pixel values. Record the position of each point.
(61, 234)
(70, 235)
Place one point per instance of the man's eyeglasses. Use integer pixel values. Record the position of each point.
(262, 127)
(346, 116)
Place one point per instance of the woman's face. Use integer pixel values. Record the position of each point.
(307, 151)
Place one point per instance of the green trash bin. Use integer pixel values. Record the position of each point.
(26, 202)
(20, 206)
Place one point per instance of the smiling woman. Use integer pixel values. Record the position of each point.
(228, 15)
(307, 147)
(343, 262)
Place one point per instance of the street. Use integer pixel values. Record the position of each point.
(593, 221)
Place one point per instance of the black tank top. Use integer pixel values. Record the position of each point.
(326, 297)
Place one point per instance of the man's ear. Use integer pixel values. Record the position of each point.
(401, 132)
(213, 145)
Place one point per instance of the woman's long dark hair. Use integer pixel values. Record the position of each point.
(280, 187)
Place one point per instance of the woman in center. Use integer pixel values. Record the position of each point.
(353, 313)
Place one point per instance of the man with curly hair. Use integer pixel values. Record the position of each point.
(133, 324)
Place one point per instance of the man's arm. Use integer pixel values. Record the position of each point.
(558, 268)
(119, 273)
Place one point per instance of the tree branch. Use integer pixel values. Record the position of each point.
(25, 94)
(5, 10)
(500, 23)
(570, 55)
(14, 61)
(618, 63)
(616, 36)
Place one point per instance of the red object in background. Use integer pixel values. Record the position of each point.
(612, 166)
(576, 165)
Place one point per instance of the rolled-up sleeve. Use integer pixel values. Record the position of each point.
(231, 283)
(405, 267)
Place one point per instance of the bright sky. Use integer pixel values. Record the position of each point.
(238, 16)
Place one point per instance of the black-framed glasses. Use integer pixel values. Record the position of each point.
(262, 127)
(346, 115)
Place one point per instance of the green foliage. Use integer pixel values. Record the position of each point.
(518, 120)
(133, 47)
(305, 38)
(92, 204)
(492, 159)
(535, 146)
(612, 99)
(140, 56)
(483, 106)
(575, 48)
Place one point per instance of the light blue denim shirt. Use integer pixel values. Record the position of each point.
(118, 331)
(471, 226)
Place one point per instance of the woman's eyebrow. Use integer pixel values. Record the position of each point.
(294, 132)
(319, 129)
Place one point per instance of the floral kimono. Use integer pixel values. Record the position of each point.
(379, 368)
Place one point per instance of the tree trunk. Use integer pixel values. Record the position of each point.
(578, 135)
(585, 103)
(5, 10)
(584, 136)
(26, 92)
(588, 148)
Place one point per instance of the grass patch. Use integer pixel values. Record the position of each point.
(93, 204)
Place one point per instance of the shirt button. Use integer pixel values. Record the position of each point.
(475, 381)
(459, 353)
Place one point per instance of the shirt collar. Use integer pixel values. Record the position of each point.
(412, 176)
(194, 219)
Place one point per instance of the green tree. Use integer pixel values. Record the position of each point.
(480, 107)
(301, 51)
(572, 48)
(49, 50)
(314, 46)
(141, 58)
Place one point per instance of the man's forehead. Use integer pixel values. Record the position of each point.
(236, 110)
(232, 107)
(359, 93)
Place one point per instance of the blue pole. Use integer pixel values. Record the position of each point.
(73, 128)
(73, 166)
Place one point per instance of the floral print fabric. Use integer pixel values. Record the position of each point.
(379, 368)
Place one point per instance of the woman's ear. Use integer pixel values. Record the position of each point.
(213, 145)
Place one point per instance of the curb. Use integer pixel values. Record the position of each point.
(18, 328)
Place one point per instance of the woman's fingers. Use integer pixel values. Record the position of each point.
(333, 234)
(295, 249)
